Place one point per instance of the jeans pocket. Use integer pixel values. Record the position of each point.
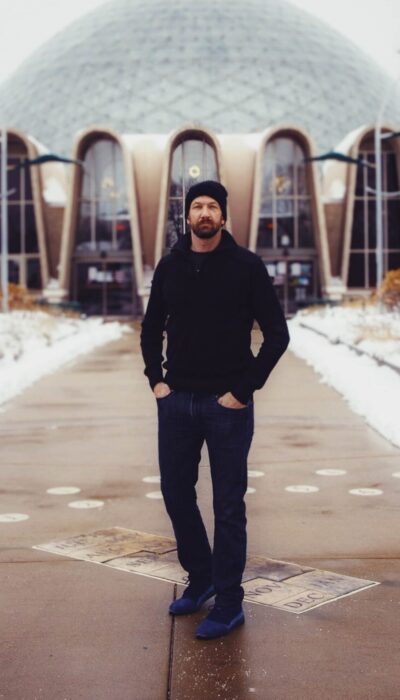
(228, 408)
(163, 398)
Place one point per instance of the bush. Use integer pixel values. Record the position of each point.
(19, 298)
(389, 291)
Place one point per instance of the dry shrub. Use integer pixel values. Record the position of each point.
(358, 302)
(389, 291)
(20, 298)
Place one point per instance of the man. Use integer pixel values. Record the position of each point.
(206, 294)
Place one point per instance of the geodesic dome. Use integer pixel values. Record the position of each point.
(232, 65)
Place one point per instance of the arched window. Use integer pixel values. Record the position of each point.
(285, 218)
(23, 246)
(103, 222)
(285, 234)
(103, 280)
(193, 160)
(362, 262)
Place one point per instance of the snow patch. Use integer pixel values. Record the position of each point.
(372, 390)
(34, 344)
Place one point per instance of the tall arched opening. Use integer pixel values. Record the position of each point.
(27, 257)
(192, 156)
(361, 255)
(285, 231)
(101, 265)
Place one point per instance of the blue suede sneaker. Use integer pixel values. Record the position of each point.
(194, 596)
(220, 621)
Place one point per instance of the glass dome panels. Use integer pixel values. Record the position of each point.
(233, 66)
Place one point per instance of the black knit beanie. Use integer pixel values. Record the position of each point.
(209, 188)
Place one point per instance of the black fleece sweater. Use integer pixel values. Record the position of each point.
(208, 317)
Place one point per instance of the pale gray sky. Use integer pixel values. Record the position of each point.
(372, 24)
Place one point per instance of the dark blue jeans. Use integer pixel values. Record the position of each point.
(186, 420)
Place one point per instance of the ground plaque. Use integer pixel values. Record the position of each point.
(282, 585)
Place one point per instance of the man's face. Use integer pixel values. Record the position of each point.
(205, 217)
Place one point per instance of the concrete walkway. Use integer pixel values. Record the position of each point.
(72, 629)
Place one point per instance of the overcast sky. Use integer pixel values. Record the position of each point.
(372, 24)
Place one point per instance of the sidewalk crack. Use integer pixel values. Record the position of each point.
(171, 652)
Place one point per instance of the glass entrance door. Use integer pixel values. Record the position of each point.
(294, 281)
(104, 288)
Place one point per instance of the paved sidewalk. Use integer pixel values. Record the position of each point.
(73, 629)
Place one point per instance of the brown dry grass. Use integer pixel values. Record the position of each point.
(20, 299)
(389, 291)
(379, 333)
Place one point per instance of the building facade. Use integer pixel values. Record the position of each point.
(97, 242)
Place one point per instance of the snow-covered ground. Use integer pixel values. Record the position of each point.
(369, 329)
(371, 387)
(34, 343)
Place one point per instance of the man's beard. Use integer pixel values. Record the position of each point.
(205, 233)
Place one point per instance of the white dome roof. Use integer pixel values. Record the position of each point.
(230, 65)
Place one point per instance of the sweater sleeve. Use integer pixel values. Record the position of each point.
(152, 334)
(269, 315)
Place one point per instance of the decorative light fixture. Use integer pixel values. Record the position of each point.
(194, 171)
